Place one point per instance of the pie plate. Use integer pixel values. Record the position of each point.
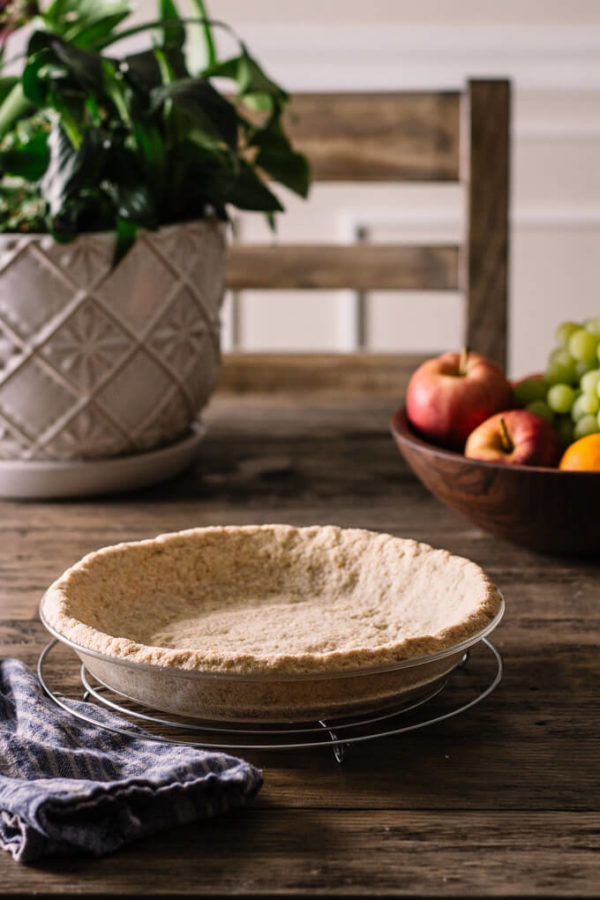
(271, 623)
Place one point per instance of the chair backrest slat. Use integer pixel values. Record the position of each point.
(378, 136)
(361, 267)
(318, 374)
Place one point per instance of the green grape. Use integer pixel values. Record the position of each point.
(581, 367)
(564, 332)
(584, 346)
(561, 368)
(585, 405)
(541, 408)
(530, 389)
(590, 382)
(561, 398)
(593, 325)
(586, 425)
(563, 426)
(558, 355)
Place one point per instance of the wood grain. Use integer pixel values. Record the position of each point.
(500, 802)
(340, 853)
(485, 148)
(333, 267)
(319, 375)
(378, 136)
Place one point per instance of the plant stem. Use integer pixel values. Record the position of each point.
(160, 23)
(462, 363)
(507, 444)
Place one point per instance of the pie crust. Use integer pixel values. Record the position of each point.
(274, 602)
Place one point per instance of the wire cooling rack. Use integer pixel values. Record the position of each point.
(474, 679)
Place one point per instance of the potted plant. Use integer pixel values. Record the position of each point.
(116, 176)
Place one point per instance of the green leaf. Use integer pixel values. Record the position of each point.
(93, 111)
(209, 41)
(175, 123)
(96, 31)
(278, 159)
(248, 192)
(167, 75)
(288, 168)
(260, 103)
(85, 22)
(70, 169)
(151, 145)
(211, 112)
(7, 83)
(13, 107)
(122, 179)
(228, 68)
(253, 80)
(58, 10)
(68, 110)
(173, 31)
(126, 232)
(135, 204)
(255, 87)
(27, 160)
(117, 89)
(63, 170)
(34, 86)
(126, 33)
(137, 143)
(84, 66)
(143, 69)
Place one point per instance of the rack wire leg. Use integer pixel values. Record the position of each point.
(465, 660)
(338, 749)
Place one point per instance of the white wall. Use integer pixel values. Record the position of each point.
(463, 12)
(551, 50)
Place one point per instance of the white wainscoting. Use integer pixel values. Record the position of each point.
(350, 56)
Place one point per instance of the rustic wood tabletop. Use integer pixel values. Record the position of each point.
(501, 801)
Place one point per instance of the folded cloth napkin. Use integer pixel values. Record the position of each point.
(70, 787)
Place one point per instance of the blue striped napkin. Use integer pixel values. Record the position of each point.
(70, 787)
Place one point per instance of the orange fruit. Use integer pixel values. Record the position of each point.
(583, 455)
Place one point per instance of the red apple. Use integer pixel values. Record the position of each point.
(450, 395)
(516, 437)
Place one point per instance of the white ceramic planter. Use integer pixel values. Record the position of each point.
(97, 363)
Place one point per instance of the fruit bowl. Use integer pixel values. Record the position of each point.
(544, 509)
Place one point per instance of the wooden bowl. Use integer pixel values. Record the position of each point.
(540, 508)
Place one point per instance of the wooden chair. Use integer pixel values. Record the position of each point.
(426, 136)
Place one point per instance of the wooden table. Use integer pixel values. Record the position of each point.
(502, 801)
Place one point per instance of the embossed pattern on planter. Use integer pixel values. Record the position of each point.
(94, 362)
